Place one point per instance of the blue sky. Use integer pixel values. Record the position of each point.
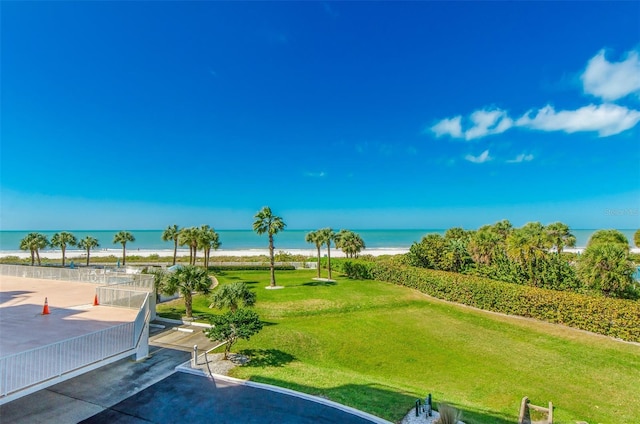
(345, 114)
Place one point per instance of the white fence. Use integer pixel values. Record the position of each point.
(39, 365)
(24, 369)
(85, 275)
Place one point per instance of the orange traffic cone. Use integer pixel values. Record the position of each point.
(45, 310)
(95, 300)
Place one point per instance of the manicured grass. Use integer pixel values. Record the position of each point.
(377, 347)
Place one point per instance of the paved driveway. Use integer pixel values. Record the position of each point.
(190, 398)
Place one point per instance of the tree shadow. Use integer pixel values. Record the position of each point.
(267, 357)
(319, 283)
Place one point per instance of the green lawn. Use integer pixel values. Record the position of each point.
(377, 347)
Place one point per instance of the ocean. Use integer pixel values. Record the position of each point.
(247, 239)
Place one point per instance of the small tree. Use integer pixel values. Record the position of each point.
(267, 222)
(187, 280)
(233, 295)
(232, 326)
(607, 267)
(314, 237)
(159, 278)
(608, 236)
(560, 236)
(327, 235)
(88, 243)
(636, 238)
(350, 243)
(33, 242)
(123, 237)
(172, 232)
(61, 240)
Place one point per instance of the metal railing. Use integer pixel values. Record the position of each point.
(85, 275)
(35, 366)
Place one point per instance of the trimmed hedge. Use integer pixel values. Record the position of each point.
(617, 318)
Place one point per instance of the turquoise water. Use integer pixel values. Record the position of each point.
(247, 239)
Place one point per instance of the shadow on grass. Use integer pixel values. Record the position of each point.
(267, 357)
(319, 283)
(382, 401)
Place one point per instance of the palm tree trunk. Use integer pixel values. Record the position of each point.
(175, 250)
(318, 261)
(329, 258)
(272, 265)
(88, 256)
(187, 305)
(124, 255)
(38, 255)
(33, 257)
(63, 251)
(195, 253)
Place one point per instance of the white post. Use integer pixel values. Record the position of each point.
(142, 350)
(194, 356)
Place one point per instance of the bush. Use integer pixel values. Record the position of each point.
(618, 318)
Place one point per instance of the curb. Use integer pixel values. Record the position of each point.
(180, 322)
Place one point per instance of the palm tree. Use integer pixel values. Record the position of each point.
(350, 243)
(314, 237)
(270, 224)
(208, 239)
(636, 238)
(327, 235)
(233, 295)
(34, 242)
(172, 233)
(608, 236)
(189, 237)
(88, 243)
(560, 236)
(159, 278)
(485, 245)
(187, 280)
(607, 267)
(63, 239)
(527, 245)
(123, 237)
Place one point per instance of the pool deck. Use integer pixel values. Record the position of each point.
(72, 314)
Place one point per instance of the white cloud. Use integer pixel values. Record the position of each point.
(482, 158)
(612, 80)
(487, 122)
(521, 158)
(483, 122)
(606, 119)
(315, 174)
(451, 127)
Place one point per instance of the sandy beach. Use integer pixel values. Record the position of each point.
(74, 254)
